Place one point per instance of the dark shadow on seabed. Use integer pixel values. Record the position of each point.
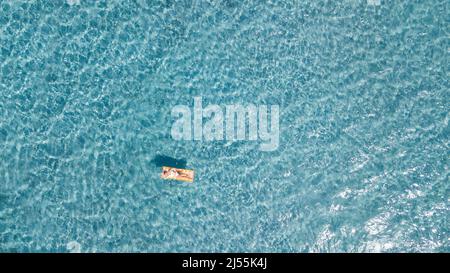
(163, 160)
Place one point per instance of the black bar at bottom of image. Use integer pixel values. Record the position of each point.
(221, 262)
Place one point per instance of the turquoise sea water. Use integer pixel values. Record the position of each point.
(86, 90)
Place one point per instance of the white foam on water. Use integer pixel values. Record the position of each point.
(378, 247)
(73, 247)
(377, 224)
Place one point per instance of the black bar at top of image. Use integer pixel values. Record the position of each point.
(223, 262)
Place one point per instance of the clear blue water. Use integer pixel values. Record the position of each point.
(86, 89)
